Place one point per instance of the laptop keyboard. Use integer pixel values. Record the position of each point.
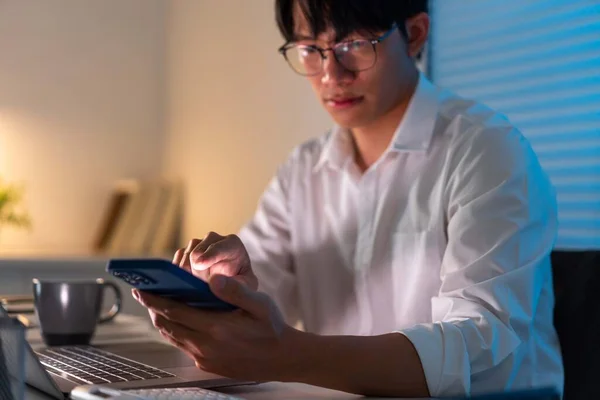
(180, 394)
(94, 366)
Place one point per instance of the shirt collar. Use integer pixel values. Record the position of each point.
(414, 132)
(338, 148)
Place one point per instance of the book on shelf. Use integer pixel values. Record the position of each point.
(167, 226)
(117, 204)
(141, 219)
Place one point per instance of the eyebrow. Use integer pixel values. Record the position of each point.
(303, 37)
(306, 37)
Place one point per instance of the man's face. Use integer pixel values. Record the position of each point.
(357, 99)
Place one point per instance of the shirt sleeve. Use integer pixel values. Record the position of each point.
(501, 227)
(267, 239)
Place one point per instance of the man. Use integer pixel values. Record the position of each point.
(412, 241)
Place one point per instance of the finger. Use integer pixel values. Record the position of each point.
(235, 292)
(177, 343)
(161, 324)
(164, 327)
(204, 271)
(232, 270)
(137, 296)
(230, 248)
(195, 319)
(182, 347)
(209, 239)
(165, 307)
(196, 343)
(178, 256)
(185, 258)
(196, 254)
(155, 319)
(168, 327)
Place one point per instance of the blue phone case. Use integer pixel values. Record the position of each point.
(162, 278)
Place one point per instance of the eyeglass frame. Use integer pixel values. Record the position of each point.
(283, 51)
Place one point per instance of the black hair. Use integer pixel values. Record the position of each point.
(347, 16)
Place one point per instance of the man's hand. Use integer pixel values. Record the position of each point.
(254, 343)
(251, 343)
(217, 255)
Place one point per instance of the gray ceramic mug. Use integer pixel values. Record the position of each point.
(68, 311)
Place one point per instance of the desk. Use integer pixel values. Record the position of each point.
(133, 328)
(17, 273)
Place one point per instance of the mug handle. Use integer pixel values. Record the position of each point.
(116, 308)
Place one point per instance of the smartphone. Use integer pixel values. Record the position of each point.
(163, 278)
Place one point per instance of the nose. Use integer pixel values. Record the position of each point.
(333, 71)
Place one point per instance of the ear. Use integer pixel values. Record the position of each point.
(417, 28)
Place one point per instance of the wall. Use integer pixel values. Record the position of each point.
(90, 92)
(234, 108)
(81, 104)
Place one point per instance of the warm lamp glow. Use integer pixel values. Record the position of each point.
(11, 132)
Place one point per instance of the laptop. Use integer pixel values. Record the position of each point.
(56, 371)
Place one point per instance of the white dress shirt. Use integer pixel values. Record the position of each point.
(445, 239)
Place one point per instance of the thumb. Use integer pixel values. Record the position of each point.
(234, 292)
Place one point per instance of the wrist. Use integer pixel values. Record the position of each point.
(299, 355)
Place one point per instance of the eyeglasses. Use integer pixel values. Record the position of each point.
(354, 55)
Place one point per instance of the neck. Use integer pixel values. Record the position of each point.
(371, 141)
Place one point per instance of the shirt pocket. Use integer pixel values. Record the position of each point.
(415, 263)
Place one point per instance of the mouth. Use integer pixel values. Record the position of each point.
(343, 102)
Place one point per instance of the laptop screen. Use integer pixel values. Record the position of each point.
(35, 374)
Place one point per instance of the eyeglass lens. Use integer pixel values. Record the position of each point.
(356, 55)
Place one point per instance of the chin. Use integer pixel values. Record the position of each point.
(349, 122)
(352, 118)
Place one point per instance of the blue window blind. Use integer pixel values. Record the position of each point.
(538, 62)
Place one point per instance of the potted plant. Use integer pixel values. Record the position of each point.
(11, 213)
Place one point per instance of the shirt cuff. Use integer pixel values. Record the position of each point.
(444, 358)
